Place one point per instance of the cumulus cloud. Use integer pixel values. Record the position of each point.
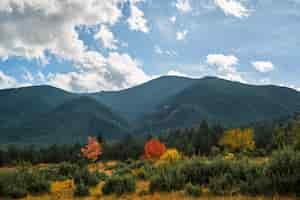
(176, 73)
(29, 28)
(107, 38)
(233, 7)
(226, 66)
(183, 6)
(263, 66)
(27, 76)
(173, 19)
(137, 21)
(158, 50)
(181, 35)
(7, 81)
(120, 72)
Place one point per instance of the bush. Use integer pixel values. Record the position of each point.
(81, 190)
(38, 184)
(284, 171)
(167, 179)
(222, 185)
(67, 170)
(101, 176)
(146, 172)
(193, 190)
(119, 185)
(195, 172)
(19, 184)
(83, 176)
(122, 171)
(258, 186)
(15, 191)
(12, 186)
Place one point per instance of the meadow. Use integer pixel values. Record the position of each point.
(232, 168)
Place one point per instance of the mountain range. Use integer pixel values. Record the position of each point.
(47, 115)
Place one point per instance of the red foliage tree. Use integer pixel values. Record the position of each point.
(154, 149)
(92, 150)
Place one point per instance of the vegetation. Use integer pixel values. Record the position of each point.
(119, 185)
(228, 162)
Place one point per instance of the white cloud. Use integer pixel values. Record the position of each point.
(181, 35)
(27, 76)
(120, 72)
(263, 66)
(158, 50)
(183, 6)
(107, 38)
(29, 28)
(173, 19)
(41, 77)
(226, 66)
(7, 81)
(233, 7)
(176, 73)
(137, 21)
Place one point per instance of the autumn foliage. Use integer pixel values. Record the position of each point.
(238, 140)
(154, 149)
(171, 155)
(92, 150)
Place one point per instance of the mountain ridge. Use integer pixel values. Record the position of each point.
(44, 113)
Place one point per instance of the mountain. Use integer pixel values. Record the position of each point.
(47, 115)
(20, 104)
(135, 102)
(222, 101)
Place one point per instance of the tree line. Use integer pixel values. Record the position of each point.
(260, 139)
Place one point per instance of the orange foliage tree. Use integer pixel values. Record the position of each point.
(154, 149)
(92, 150)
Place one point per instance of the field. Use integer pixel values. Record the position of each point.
(159, 173)
(64, 189)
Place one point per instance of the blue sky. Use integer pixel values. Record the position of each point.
(93, 45)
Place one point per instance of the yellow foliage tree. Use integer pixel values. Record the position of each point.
(238, 140)
(171, 155)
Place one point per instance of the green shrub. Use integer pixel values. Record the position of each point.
(195, 172)
(67, 170)
(19, 184)
(37, 184)
(258, 186)
(193, 190)
(51, 174)
(167, 179)
(101, 176)
(146, 171)
(15, 191)
(222, 185)
(284, 171)
(83, 176)
(122, 171)
(81, 190)
(119, 184)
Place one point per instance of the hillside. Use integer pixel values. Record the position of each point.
(44, 114)
(225, 102)
(134, 102)
(69, 122)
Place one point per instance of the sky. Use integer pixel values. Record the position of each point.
(96, 45)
